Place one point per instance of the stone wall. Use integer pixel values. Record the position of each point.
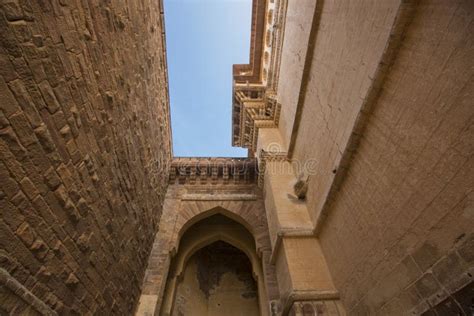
(299, 17)
(347, 51)
(84, 150)
(398, 236)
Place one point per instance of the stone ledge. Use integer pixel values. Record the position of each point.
(306, 295)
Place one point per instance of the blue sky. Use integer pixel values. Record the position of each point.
(204, 38)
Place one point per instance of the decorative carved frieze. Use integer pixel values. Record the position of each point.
(213, 171)
(253, 109)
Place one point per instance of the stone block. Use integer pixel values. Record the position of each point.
(9, 105)
(11, 139)
(29, 188)
(448, 268)
(425, 256)
(52, 179)
(427, 285)
(45, 138)
(40, 249)
(49, 97)
(26, 234)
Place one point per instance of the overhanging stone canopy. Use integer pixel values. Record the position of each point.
(253, 109)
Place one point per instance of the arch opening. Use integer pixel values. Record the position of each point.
(216, 271)
(217, 280)
(211, 213)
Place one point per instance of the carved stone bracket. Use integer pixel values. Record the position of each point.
(253, 108)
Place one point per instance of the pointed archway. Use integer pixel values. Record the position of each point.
(224, 284)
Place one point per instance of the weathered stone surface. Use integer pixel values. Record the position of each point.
(70, 160)
(217, 280)
(387, 118)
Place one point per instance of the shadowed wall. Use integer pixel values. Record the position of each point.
(218, 280)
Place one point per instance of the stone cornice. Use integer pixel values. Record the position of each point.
(211, 171)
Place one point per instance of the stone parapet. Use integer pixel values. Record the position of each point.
(213, 171)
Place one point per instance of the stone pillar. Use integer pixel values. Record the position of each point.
(304, 281)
